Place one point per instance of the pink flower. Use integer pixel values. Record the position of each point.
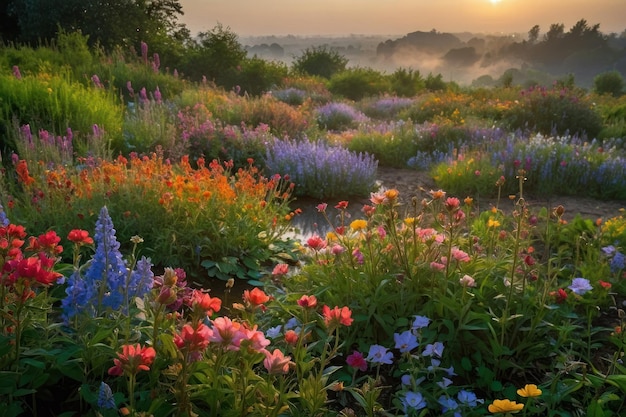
(436, 266)
(276, 362)
(316, 243)
(467, 281)
(227, 333)
(459, 255)
(280, 270)
(321, 208)
(356, 360)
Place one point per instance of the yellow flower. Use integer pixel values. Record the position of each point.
(504, 406)
(358, 224)
(493, 223)
(530, 390)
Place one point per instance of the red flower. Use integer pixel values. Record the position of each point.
(80, 237)
(342, 205)
(203, 301)
(316, 243)
(193, 339)
(605, 284)
(337, 316)
(356, 360)
(133, 359)
(560, 295)
(280, 269)
(291, 337)
(256, 297)
(307, 301)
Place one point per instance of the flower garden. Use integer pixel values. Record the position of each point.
(146, 268)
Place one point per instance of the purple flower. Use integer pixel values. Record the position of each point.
(444, 383)
(157, 95)
(433, 349)
(379, 354)
(16, 72)
(420, 322)
(580, 286)
(96, 81)
(413, 401)
(405, 341)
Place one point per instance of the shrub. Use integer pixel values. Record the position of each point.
(406, 82)
(385, 108)
(320, 170)
(338, 116)
(258, 76)
(555, 111)
(319, 61)
(610, 82)
(356, 83)
(292, 96)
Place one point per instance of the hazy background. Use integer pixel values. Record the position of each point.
(397, 17)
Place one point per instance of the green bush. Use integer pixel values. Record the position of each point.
(357, 83)
(319, 61)
(258, 76)
(554, 111)
(610, 82)
(406, 82)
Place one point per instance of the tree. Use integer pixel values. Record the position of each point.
(216, 55)
(533, 34)
(321, 61)
(108, 23)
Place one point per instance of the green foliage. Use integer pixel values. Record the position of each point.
(258, 76)
(406, 82)
(216, 55)
(319, 61)
(610, 82)
(56, 103)
(554, 111)
(357, 83)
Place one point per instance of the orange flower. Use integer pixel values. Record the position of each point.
(291, 337)
(307, 301)
(80, 237)
(337, 316)
(133, 359)
(203, 301)
(256, 297)
(504, 406)
(530, 390)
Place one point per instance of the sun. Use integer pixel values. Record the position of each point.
(495, 1)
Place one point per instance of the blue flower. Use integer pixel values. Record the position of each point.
(414, 401)
(105, 397)
(618, 261)
(580, 286)
(420, 322)
(447, 403)
(273, 332)
(468, 398)
(4, 220)
(379, 354)
(433, 349)
(444, 383)
(405, 341)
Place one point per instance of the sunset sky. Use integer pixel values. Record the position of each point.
(362, 17)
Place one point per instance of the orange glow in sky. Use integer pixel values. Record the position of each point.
(362, 17)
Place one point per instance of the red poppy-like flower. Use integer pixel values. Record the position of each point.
(342, 205)
(605, 284)
(337, 316)
(256, 297)
(48, 242)
(80, 237)
(560, 295)
(132, 359)
(307, 301)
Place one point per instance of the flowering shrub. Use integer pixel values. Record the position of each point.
(320, 170)
(338, 116)
(386, 108)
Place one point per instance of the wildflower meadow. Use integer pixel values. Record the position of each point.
(150, 263)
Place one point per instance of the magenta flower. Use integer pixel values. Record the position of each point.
(356, 360)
